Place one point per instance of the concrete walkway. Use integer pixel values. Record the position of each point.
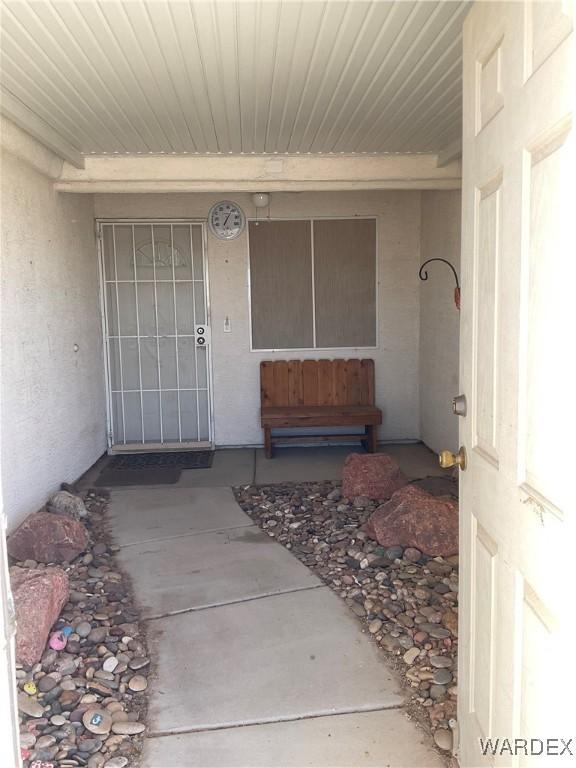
(257, 662)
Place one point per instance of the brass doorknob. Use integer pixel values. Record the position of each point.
(448, 459)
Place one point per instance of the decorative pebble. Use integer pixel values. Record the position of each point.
(138, 683)
(128, 728)
(116, 762)
(57, 641)
(97, 721)
(27, 739)
(443, 739)
(138, 662)
(441, 662)
(30, 688)
(442, 676)
(411, 655)
(30, 706)
(110, 664)
(83, 629)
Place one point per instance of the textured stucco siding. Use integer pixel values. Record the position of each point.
(236, 368)
(439, 320)
(53, 420)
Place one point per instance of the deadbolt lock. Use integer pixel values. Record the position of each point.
(459, 405)
(448, 459)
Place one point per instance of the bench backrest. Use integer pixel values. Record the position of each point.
(316, 382)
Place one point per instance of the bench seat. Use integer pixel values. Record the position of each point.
(320, 416)
(318, 393)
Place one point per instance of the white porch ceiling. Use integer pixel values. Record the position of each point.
(234, 77)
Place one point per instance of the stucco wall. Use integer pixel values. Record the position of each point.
(236, 368)
(439, 320)
(52, 397)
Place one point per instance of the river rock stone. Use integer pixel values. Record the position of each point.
(30, 706)
(66, 503)
(415, 518)
(39, 596)
(97, 721)
(128, 728)
(48, 538)
(138, 683)
(117, 762)
(372, 475)
(443, 739)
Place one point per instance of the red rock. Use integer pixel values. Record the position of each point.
(415, 518)
(48, 538)
(39, 596)
(374, 475)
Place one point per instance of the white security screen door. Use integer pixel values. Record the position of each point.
(156, 333)
(518, 499)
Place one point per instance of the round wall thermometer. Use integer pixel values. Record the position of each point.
(226, 220)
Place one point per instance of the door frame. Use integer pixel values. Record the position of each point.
(141, 447)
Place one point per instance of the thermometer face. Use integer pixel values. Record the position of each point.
(226, 220)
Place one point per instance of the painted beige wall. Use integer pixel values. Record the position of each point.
(236, 368)
(52, 397)
(439, 320)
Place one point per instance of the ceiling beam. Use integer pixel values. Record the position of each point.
(29, 121)
(251, 173)
(450, 153)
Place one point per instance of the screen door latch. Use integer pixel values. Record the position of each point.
(202, 335)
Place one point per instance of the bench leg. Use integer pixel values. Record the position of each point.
(268, 451)
(372, 432)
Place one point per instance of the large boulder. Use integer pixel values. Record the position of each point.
(373, 475)
(415, 518)
(39, 596)
(48, 538)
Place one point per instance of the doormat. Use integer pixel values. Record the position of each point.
(167, 460)
(113, 478)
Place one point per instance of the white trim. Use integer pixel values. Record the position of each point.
(27, 120)
(313, 275)
(138, 334)
(250, 173)
(164, 447)
(105, 337)
(119, 332)
(209, 376)
(328, 350)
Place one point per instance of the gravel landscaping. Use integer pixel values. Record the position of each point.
(406, 601)
(84, 703)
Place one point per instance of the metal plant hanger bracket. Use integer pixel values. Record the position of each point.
(423, 275)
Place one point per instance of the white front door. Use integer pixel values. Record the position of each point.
(518, 499)
(157, 335)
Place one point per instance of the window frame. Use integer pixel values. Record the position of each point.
(366, 217)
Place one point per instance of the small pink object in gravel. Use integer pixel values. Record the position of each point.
(57, 641)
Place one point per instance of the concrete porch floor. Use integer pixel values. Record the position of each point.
(257, 662)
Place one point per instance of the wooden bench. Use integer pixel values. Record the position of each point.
(318, 393)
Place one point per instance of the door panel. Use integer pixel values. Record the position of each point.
(154, 298)
(518, 276)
